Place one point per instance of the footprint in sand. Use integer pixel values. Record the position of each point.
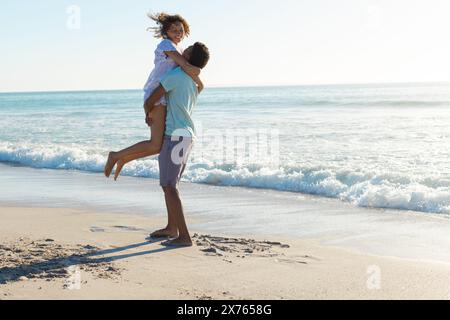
(239, 247)
(47, 260)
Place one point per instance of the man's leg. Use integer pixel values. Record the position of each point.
(176, 215)
(170, 172)
(171, 230)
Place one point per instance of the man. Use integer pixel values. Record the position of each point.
(181, 95)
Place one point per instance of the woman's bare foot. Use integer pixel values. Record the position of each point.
(178, 242)
(112, 159)
(120, 164)
(164, 233)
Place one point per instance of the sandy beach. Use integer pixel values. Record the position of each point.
(75, 235)
(57, 253)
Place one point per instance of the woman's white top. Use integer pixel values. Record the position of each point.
(163, 64)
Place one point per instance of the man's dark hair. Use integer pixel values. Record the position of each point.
(199, 55)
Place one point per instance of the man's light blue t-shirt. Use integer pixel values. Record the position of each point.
(181, 97)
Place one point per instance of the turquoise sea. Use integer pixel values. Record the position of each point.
(383, 146)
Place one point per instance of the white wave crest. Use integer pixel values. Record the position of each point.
(366, 189)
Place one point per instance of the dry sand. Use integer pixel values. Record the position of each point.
(73, 254)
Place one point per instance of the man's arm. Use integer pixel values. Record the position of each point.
(153, 99)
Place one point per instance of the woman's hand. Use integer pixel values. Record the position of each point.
(199, 84)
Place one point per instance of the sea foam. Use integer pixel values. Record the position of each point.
(365, 189)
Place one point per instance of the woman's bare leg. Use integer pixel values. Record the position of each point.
(145, 148)
(129, 154)
(141, 149)
(152, 150)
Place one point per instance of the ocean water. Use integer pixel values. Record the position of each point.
(385, 146)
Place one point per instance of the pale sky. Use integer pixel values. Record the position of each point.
(252, 42)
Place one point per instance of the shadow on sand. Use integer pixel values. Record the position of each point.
(88, 258)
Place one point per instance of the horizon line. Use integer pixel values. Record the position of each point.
(245, 86)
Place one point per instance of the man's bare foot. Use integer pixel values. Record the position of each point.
(120, 164)
(178, 242)
(164, 233)
(110, 163)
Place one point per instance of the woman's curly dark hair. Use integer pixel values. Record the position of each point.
(164, 22)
